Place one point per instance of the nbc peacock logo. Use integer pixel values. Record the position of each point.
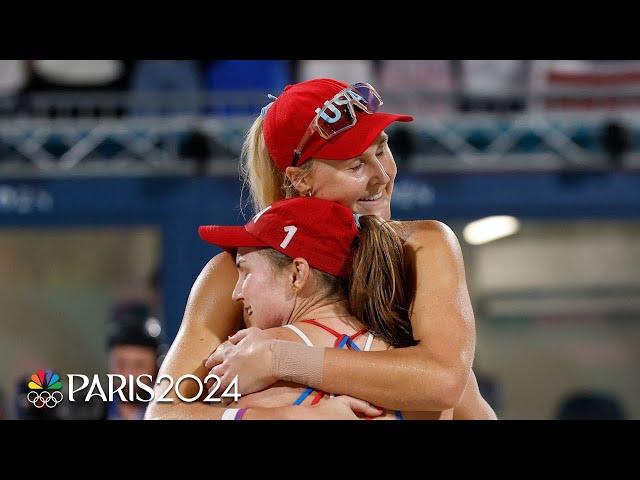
(45, 389)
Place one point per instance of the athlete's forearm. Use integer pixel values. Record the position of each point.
(403, 379)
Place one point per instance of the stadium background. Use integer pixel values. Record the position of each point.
(107, 167)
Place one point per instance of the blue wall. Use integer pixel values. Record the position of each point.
(177, 206)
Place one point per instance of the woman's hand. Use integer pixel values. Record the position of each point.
(248, 355)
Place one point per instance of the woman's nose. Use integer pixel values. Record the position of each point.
(236, 295)
(381, 171)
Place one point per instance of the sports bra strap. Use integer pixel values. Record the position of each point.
(367, 346)
(337, 334)
(362, 331)
(324, 327)
(301, 334)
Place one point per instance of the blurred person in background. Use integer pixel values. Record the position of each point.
(133, 351)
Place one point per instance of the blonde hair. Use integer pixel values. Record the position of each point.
(259, 172)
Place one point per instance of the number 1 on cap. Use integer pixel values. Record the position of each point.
(291, 231)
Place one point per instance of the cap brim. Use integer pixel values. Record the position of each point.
(229, 237)
(356, 140)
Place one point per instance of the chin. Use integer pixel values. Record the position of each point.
(380, 208)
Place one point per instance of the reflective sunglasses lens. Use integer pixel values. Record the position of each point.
(369, 97)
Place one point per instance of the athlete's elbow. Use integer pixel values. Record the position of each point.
(445, 392)
(441, 393)
(452, 389)
(442, 385)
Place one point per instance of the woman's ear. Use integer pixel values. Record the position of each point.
(300, 179)
(300, 274)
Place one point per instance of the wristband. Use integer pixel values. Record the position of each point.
(296, 362)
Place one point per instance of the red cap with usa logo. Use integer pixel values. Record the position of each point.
(320, 231)
(289, 116)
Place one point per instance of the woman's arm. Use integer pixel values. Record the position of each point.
(433, 374)
(428, 377)
(209, 318)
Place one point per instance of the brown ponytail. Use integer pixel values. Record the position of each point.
(378, 296)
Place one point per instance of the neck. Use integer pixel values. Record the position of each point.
(306, 309)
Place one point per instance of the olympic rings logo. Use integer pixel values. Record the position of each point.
(42, 399)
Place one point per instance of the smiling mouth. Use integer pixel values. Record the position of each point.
(372, 198)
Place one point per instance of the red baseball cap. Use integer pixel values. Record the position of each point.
(287, 119)
(320, 231)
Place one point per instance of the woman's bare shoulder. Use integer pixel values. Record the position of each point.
(210, 304)
(218, 278)
(221, 267)
(434, 244)
(430, 233)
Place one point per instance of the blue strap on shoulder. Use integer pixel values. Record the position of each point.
(343, 342)
(303, 396)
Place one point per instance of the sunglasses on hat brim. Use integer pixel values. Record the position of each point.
(338, 114)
